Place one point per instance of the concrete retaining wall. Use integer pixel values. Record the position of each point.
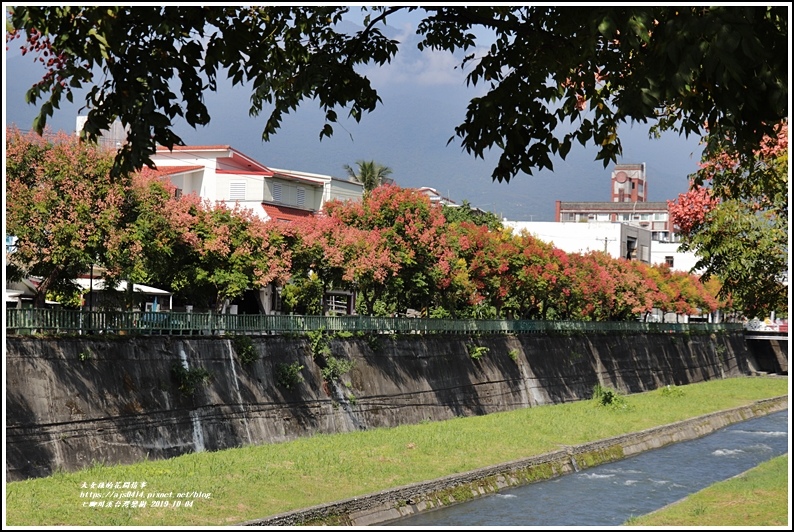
(74, 401)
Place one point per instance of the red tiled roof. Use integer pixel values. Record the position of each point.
(237, 171)
(196, 148)
(287, 214)
(171, 170)
(224, 147)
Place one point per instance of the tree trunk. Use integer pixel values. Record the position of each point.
(40, 299)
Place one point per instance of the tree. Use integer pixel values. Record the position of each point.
(231, 251)
(466, 213)
(152, 241)
(61, 206)
(412, 235)
(552, 75)
(329, 254)
(370, 174)
(738, 225)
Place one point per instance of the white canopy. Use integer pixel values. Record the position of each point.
(123, 286)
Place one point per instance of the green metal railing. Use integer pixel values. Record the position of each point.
(56, 321)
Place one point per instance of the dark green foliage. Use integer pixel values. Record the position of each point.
(370, 174)
(289, 375)
(335, 367)
(466, 213)
(608, 397)
(190, 379)
(245, 349)
(587, 69)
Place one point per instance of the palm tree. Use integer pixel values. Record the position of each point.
(370, 174)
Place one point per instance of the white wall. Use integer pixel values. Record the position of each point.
(580, 237)
(682, 261)
(574, 237)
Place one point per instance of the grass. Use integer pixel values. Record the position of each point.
(758, 497)
(259, 481)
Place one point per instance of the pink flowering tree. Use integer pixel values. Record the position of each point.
(329, 254)
(413, 231)
(481, 278)
(735, 217)
(62, 208)
(231, 250)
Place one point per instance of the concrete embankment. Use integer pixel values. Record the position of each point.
(408, 500)
(74, 401)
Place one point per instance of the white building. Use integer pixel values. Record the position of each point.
(668, 253)
(616, 239)
(223, 174)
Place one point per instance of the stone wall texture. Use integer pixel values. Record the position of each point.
(74, 401)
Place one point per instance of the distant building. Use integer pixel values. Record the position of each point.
(436, 198)
(629, 183)
(652, 216)
(615, 239)
(629, 205)
(223, 174)
(627, 226)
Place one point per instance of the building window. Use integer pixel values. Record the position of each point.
(177, 193)
(277, 192)
(669, 260)
(237, 190)
(301, 196)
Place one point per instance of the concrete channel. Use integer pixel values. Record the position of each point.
(402, 501)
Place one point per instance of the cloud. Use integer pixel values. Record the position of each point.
(415, 67)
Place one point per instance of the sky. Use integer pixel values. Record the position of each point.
(424, 97)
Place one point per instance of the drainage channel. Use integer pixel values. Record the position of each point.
(609, 494)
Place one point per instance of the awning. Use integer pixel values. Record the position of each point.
(99, 284)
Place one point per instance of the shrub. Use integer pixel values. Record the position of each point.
(318, 343)
(289, 375)
(476, 352)
(335, 368)
(608, 397)
(245, 350)
(190, 379)
(671, 391)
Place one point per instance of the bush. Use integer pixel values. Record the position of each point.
(190, 379)
(335, 368)
(609, 398)
(245, 350)
(318, 343)
(476, 352)
(289, 375)
(671, 391)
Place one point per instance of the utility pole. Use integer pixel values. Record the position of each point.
(606, 239)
